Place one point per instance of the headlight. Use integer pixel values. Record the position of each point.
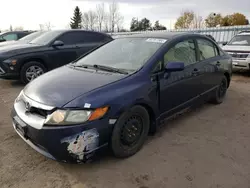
(10, 61)
(248, 56)
(69, 117)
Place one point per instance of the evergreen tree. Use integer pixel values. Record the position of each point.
(76, 21)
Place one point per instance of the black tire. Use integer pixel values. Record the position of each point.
(220, 92)
(26, 67)
(119, 145)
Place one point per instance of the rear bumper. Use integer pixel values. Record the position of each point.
(73, 144)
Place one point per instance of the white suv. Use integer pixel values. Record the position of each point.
(239, 49)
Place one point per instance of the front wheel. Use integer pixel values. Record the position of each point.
(130, 132)
(220, 92)
(31, 70)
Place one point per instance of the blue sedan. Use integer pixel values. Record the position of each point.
(117, 94)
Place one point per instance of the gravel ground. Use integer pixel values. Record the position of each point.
(207, 147)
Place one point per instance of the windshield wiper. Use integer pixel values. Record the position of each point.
(102, 67)
(110, 69)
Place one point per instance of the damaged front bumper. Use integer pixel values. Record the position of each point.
(74, 144)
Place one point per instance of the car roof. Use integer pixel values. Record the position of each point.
(68, 30)
(164, 35)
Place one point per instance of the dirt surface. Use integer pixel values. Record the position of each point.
(208, 147)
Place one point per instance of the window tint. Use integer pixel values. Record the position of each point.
(207, 49)
(21, 35)
(94, 37)
(182, 52)
(11, 36)
(70, 38)
(81, 37)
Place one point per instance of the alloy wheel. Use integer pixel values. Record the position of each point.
(33, 72)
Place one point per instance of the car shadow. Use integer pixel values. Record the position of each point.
(241, 73)
(17, 83)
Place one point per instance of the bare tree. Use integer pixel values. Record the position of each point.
(18, 28)
(85, 21)
(119, 22)
(48, 26)
(113, 14)
(198, 21)
(41, 27)
(106, 22)
(100, 13)
(92, 19)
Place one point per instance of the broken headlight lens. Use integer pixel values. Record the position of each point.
(69, 117)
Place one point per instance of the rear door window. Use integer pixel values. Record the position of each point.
(206, 49)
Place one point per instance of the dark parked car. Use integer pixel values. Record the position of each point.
(25, 39)
(46, 52)
(119, 93)
(13, 35)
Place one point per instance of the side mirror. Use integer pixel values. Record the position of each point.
(174, 66)
(224, 43)
(58, 43)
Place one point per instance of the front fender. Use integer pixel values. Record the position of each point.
(120, 97)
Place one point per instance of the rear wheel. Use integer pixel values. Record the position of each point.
(31, 70)
(220, 92)
(130, 132)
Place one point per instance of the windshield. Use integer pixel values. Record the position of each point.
(32, 36)
(46, 38)
(243, 40)
(123, 53)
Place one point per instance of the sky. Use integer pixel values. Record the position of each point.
(30, 13)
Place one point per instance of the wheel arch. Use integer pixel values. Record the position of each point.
(35, 59)
(150, 110)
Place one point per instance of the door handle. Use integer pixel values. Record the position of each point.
(195, 72)
(218, 63)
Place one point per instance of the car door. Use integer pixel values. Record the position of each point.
(179, 89)
(88, 41)
(209, 65)
(62, 55)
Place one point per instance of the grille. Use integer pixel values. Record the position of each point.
(35, 108)
(38, 111)
(238, 55)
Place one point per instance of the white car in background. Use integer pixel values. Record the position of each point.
(239, 49)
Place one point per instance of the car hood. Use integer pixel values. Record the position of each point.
(236, 48)
(62, 85)
(17, 48)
